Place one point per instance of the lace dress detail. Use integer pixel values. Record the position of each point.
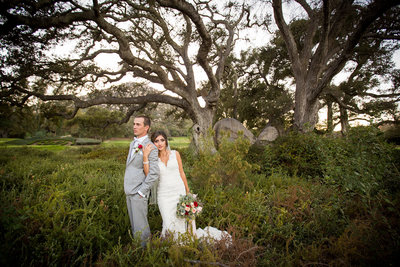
(170, 187)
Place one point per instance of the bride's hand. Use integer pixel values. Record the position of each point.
(147, 150)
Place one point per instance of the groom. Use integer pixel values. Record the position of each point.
(136, 184)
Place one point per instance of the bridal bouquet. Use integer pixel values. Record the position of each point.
(188, 206)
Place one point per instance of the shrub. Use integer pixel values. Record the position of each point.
(87, 141)
(227, 166)
(360, 163)
(296, 154)
(42, 141)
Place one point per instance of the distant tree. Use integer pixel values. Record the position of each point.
(94, 122)
(16, 121)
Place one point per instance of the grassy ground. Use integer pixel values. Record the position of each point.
(174, 142)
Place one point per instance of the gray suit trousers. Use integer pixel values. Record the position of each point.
(137, 210)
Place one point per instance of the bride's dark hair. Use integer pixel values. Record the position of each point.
(157, 133)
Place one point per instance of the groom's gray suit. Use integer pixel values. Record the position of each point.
(135, 181)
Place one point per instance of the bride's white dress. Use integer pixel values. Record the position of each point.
(170, 187)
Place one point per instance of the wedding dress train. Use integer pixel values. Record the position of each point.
(170, 187)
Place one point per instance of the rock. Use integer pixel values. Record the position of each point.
(268, 134)
(233, 127)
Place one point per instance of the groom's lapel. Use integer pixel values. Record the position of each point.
(129, 159)
(144, 143)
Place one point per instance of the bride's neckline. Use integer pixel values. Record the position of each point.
(168, 156)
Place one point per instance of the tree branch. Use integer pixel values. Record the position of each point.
(288, 37)
(374, 10)
(85, 103)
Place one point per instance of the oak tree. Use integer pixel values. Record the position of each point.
(333, 31)
(172, 43)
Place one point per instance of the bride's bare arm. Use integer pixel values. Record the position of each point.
(183, 176)
(146, 152)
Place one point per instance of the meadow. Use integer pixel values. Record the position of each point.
(307, 200)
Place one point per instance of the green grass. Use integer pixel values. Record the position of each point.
(174, 142)
(116, 143)
(179, 142)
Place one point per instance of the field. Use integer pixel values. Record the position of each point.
(306, 201)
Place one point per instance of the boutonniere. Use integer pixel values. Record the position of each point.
(138, 148)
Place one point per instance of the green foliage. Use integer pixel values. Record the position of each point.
(53, 141)
(68, 208)
(57, 204)
(15, 121)
(87, 141)
(225, 167)
(98, 123)
(361, 163)
(297, 154)
(40, 140)
(253, 98)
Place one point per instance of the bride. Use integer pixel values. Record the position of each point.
(171, 185)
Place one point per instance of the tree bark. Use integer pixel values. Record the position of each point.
(329, 128)
(202, 137)
(305, 110)
(344, 121)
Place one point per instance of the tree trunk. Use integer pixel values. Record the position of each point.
(344, 120)
(202, 135)
(306, 111)
(329, 128)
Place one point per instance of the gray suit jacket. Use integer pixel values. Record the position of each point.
(134, 179)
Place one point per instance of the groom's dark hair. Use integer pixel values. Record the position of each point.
(146, 120)
(157, 134)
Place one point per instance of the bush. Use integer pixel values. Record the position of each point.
(87, 141)
(227, 166)
(42, 141)
(360, 163)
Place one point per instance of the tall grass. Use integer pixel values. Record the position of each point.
(282, 206)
